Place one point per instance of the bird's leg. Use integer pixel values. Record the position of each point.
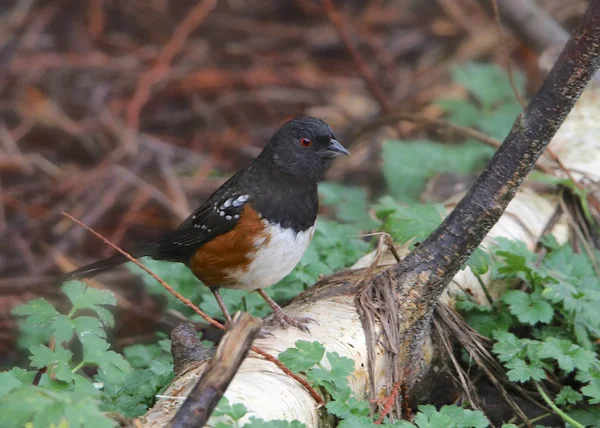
(217, 294)
(280, 317)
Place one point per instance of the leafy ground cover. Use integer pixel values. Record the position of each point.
(545, 332)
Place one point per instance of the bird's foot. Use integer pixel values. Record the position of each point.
(264, 334)
(280, 317)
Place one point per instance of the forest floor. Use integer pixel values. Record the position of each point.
(129, 114)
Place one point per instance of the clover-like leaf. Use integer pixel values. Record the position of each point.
(304, 356)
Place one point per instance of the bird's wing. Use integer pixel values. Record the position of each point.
(217, 216)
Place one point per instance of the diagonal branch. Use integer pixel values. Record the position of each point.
(419, 280)
(442, 254)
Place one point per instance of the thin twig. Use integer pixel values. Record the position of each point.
(461, 130)
(363, 69)
(590, 197)
(170, 289)
(314, 394)
(509, 69)
(142, 92)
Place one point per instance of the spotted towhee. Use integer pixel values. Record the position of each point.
(255, 228)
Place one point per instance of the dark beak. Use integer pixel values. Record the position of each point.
(336, 149)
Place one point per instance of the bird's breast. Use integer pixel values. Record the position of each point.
(257, 253)
(277, 253)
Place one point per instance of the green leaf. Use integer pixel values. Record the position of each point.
(356, 422)
(460, 112)
(421, 159)
(508, 346)
(490, 322)
(254, 422)
(487, 82)
(38, 311)
(84, 413)
(113, 366)
(589, 417)
(549, 241)
(19, 407)
(161, 367)
(479, 262)
(303, 357)
(348, 407)
(44, 407)
(528, 308)
(60, 358)
(63, 328)
(498, 123)
(235, 411)
(142, 356)
(521, 371)
(137, 394)
(518, 261)
(84, 297)
(436, 420)
(414, 223)
(568, 395)
(8, 382)
(88, 325)
(334, 380)
(350, 204)
(568, 355)
(592, 391)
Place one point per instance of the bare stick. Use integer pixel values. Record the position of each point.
(511, 77)
(142, 92)
(363, 69)
(217, 376)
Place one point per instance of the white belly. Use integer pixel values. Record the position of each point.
(272, 262)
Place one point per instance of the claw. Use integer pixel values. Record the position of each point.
(286, 320)
(264, 334)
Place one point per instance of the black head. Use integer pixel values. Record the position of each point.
(303, 148)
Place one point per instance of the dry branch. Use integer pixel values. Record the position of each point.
(423, 275)
(211, 386)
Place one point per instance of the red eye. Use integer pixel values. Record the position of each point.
(305, 142)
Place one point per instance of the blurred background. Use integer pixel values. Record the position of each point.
(128, 114)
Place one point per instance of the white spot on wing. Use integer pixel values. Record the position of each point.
(240, 200)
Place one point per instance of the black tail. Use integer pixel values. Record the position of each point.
(95, 268)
